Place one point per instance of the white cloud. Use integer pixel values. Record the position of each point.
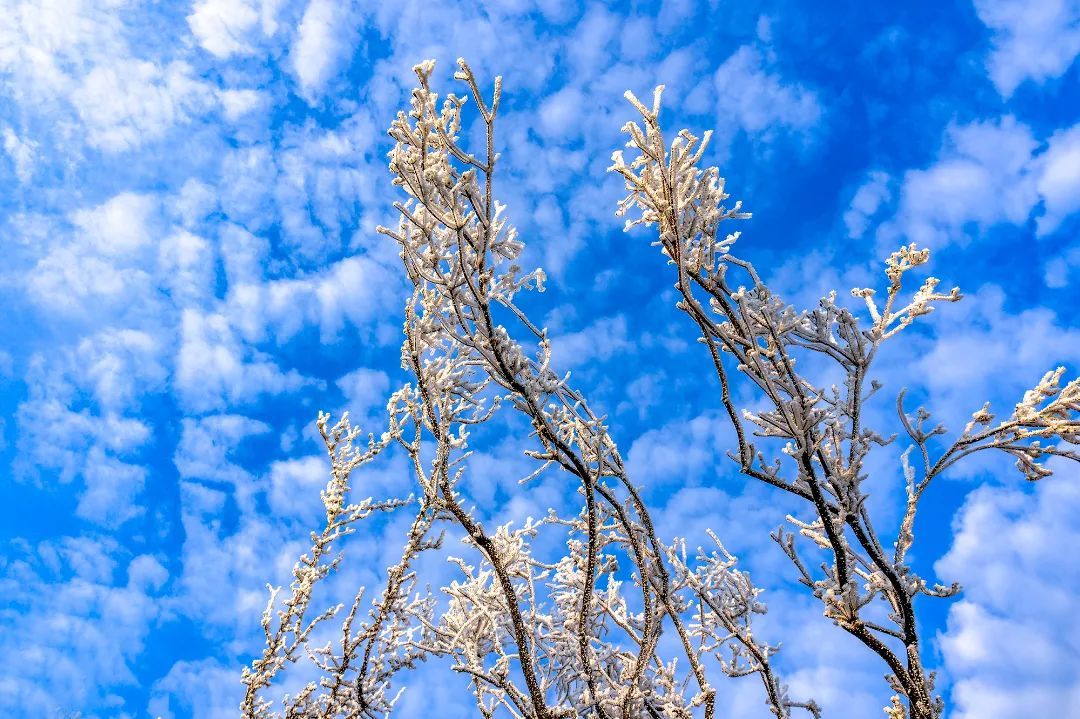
(238, 103)
(866, 203)
(206, 445)
(186, 266)
(680, 453)
(71, 281)
(203, 689)
(221, 26)
(111, 372)
(223, 584)
(244, 185)
(46, 45)
(753, 98)
(295, 485)
(323, 44)
(1012, 646)
(366, 391)
(1058, 270)
(77, 635)
(101, 264)
(111, 488)
(323, 176)
(314, 186)
(120, 226)
(132, 102)
(635, 38)
(22, 153)
(1005, 700)
(191, 204)
(82, 417)
(643, 393)
(215, 369)
(560, 114)
(1059, 180)
(243, 255)
(1013, 351)
(353, 292)
(117, 367)
(590, 50)
(1034, 41)
(985, 175)
(601, 340)
(53, 436)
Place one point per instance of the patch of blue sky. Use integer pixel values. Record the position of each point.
(190, 272)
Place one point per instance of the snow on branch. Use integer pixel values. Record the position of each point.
(579, 634)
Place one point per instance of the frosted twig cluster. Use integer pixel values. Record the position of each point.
(288, 629)
(576, 636)
(820, 440)
(580, 634)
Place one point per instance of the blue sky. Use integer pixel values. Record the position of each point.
(190, 271)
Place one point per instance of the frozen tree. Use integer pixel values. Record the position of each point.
(577, 634)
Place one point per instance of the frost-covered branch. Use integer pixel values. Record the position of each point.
(530, 636)
(288, 630)
(578, 632)
(820, 430)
